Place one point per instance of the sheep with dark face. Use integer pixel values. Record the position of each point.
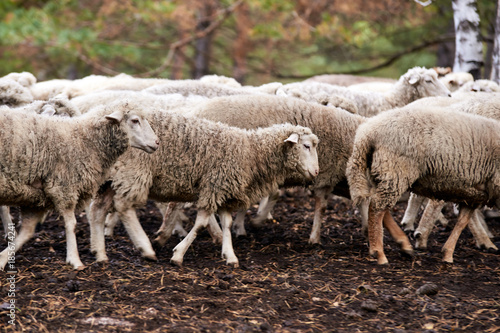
(59, 163)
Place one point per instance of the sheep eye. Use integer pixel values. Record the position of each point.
(307, 146)
(135, 121)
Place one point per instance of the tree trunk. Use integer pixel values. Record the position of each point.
(203, 44)
(241, 44)
(495, 58)
(468, 46)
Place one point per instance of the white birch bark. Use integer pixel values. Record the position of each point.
(468, 45)
(495, 58)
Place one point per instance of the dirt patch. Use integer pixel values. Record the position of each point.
(283, 284)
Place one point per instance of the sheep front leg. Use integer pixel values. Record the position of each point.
(201, 221)
(376, 234)
(6, 218)
(214, 230)
(427, 222)
(321, 199)
(465, 215)
(30, 219)
(414, 203)
(227, 243)
(136, 233)
(72, 255)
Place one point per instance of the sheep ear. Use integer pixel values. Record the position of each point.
(116, 116)
(280, 92)
(294, 138)
(413, 79)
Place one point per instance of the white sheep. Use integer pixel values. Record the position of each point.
(484, 104)
(455, 80)
(140, 98)
(220, 79)
(346, 80)
(417, 83)
(431, 151)
(196, 87)
(335, 129)
(59, 163)
(221, 168)
(26, 79)
(480, 85)
(12, 93)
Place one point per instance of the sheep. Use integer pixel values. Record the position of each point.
(418, 82)
(455, 80)
(431, 151)
(140, 98)
(376, 86)
(12, 93)
(196, 87)
(334, 127)
(26, 79)
(221, 168)
(59, 163)
(480, 85)
(346, 80)
(484, 104)
(220, 79)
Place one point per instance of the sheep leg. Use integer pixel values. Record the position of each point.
(72, 255)
(215, 230)
(201, 221)
(98, 213)
(109, 226)
(6, 218)
(178, 217)
(465, 215)
(265, 206)
(376, 234)
(239, 222)
(414, 204)
(321, 199)
(482, 221)
(136, 233)
(427, 222)
(30, 219)
(167, 225)
(397, 234)
(363, 211)
(227, 243)
(476, 226)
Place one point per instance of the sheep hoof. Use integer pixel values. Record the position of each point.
(233, 264)
(151, 257)
(176, 262)
(80, 268)
(493, 249)
(417, 234)
(409, 253)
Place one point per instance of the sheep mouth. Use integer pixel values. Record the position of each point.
(150, 149)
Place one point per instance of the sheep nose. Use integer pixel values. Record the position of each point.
(157, 142)
(316, 172)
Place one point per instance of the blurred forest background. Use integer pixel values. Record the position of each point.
(254, 41)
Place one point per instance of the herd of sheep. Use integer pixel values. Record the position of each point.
(224, 147)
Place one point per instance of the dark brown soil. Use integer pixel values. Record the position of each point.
(283, 284)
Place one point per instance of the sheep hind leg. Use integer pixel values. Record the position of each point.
(202, 220)
(227, 243)
(427, 221)
(30, 219)
(72, 255)
(167, 226)
(112, 221)
(96, 218)
(136, 233)
(376, 235)
(465, 215)
(414, 203)
(397, 234)
(477, 228)
(321, 199)
(214, 230)
(266, 204)
(239, 223)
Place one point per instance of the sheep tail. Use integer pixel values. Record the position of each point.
(358, 173)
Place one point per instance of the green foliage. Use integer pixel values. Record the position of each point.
(50, 37)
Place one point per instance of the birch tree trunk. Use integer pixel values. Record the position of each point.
(468, 45)
(495, 58)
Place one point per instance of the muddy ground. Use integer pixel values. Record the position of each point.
(282, 285)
